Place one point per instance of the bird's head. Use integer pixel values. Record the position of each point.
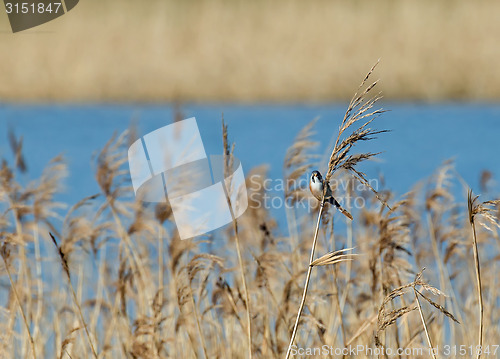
(316, 176)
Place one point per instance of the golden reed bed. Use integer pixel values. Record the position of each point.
(112, 279)
(117, 50)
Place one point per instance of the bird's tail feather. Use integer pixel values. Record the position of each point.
(346, 213)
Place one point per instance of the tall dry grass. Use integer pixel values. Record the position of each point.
(121, 284)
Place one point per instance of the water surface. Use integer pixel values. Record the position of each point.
(422, 137)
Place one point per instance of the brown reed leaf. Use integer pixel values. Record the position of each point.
(62, 256)
(438, 306)
(334, 257)
(16, 146)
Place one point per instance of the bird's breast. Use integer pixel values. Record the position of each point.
(316, 189)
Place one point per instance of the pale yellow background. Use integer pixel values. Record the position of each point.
(225, 50)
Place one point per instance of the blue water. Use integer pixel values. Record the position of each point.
(422, 137)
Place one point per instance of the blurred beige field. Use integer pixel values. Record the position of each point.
(116, 50)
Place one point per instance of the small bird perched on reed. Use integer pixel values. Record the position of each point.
(316, 185)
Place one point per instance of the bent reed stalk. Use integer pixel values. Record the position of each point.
(308, 277)
(64, 263)
(360, 107)
(485, 210)
(228, 164)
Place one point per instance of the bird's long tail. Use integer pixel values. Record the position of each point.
(346, 213)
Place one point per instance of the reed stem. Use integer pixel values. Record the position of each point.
(479, 290)
(308, 277)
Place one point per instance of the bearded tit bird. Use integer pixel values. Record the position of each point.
(316, 185)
